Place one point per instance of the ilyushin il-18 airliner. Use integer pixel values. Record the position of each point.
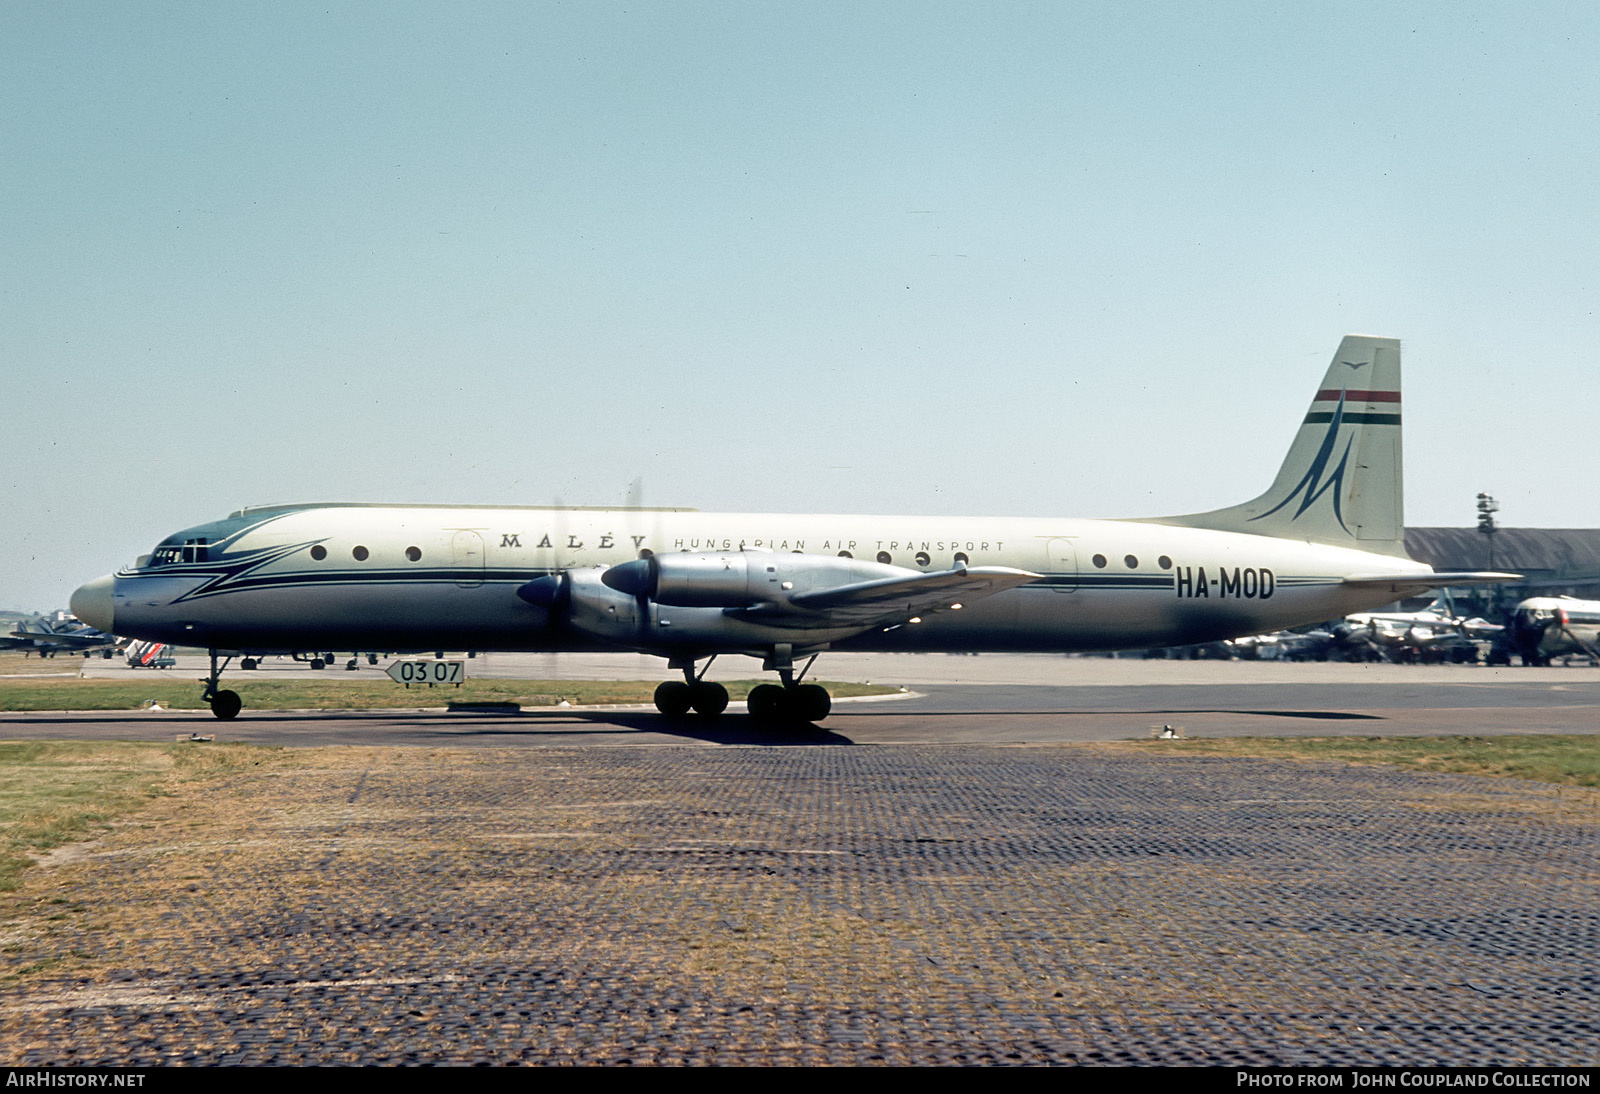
(1324, 541)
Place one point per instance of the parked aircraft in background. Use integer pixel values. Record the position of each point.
(48, 637)
(1435, 633)
(1543, 627)
(1301, 645)
(9, 641)
(1323, 541)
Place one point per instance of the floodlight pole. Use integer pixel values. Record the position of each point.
(1487, 508)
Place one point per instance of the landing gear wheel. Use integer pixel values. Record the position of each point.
(811, 702)
(708, 698)
(247, 664)
(226, 704)
(316, 662)
(350, 665)
(673, 698)
(767, 702)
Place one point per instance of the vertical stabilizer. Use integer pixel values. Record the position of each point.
(1341, 481)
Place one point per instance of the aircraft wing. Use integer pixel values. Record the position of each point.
(1412, 584)
(894, 599)
(68, 640)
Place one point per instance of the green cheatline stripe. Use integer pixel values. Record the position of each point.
(1317, 417)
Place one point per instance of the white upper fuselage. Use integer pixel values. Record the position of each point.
(393, 578)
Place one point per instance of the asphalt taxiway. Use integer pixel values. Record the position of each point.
(994, 699)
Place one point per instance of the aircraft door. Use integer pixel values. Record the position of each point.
(1061, 557)
(466, 554)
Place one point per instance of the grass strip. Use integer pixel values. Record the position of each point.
(1563, 759)
(26, 664)
(58, 792)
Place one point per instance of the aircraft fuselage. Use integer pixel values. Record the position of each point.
(402, 578)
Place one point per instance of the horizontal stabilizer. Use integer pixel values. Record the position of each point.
(897, 598)
(1409, 584)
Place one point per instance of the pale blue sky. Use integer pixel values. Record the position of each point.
(1019, 259)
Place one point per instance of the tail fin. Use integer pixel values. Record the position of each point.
(1341, 481)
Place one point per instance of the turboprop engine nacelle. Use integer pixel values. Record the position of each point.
(585, 602)
(739, 579)
(578, 599)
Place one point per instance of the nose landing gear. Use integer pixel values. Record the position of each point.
(224, 704)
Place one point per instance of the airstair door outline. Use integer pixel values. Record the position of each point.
(466, 555)
(1061, 556)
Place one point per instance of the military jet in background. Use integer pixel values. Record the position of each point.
(48, 637)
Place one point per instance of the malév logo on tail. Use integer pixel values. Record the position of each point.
(1311, 484)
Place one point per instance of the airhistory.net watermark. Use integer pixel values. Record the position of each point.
(93, 1079)
(1362, 1080)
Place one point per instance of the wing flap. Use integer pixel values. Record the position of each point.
(894, 599)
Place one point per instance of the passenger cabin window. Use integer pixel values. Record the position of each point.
(1132, 562)
(319, 552)
(358, 553)
(1099, 562)
(884, 557)
(414, 554)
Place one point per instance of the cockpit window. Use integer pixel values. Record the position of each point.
(198, 544)
(192, 549)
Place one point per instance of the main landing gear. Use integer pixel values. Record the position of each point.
(792, 701)
(224, 704)
(696, 693)
(800, 702)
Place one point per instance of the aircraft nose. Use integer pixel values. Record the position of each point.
(92, 604)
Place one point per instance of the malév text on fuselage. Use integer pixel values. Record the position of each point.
(1324, 541)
